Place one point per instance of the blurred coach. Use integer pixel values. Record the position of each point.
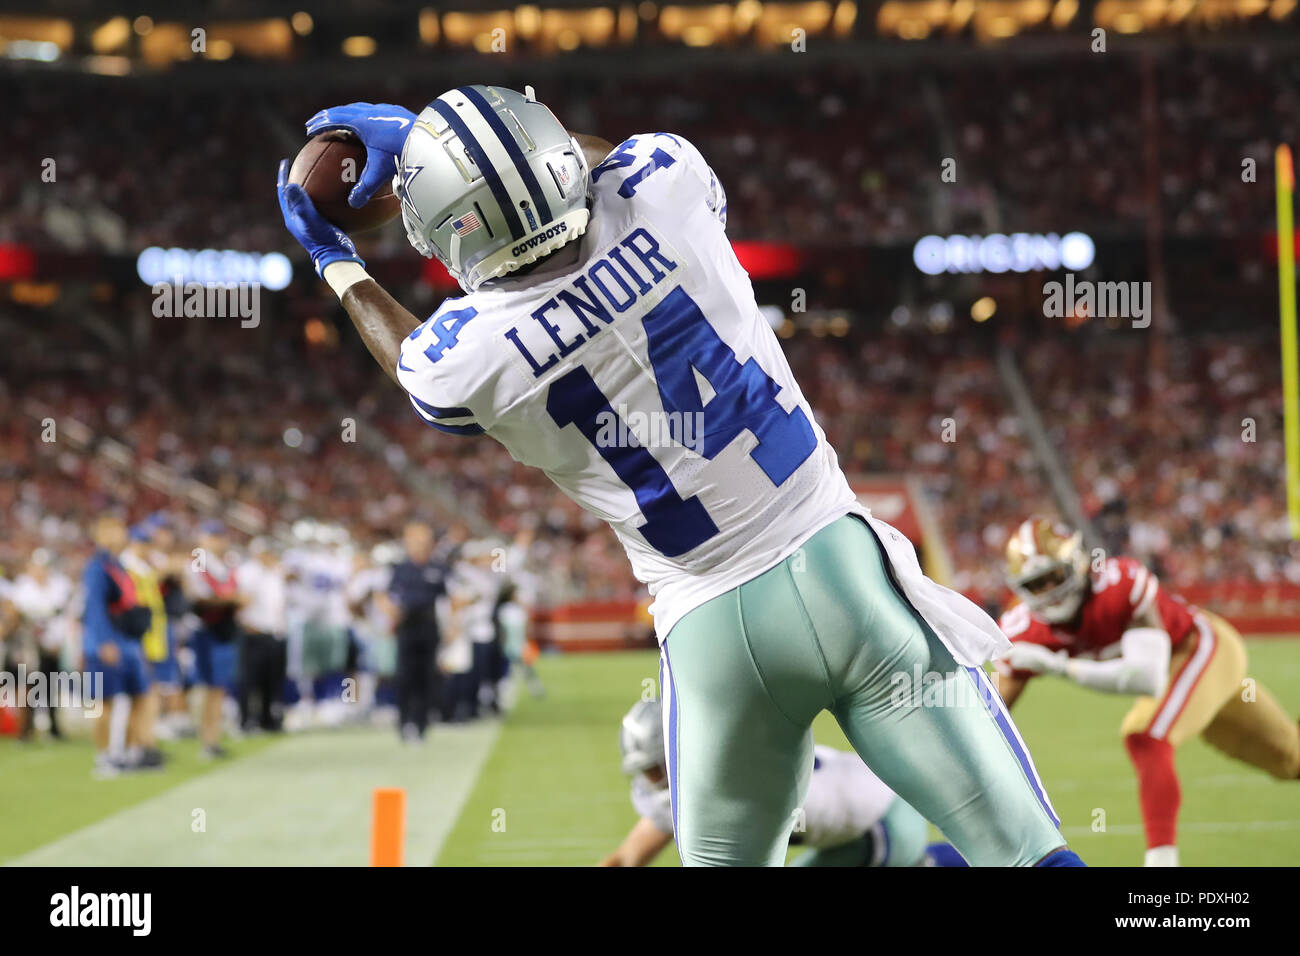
(418, 584)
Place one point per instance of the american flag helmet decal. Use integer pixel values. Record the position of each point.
(466, 224)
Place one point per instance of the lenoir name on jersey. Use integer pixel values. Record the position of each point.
(590, 296)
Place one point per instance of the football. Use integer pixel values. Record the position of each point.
(327, 168)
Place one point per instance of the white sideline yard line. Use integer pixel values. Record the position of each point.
(304, 801)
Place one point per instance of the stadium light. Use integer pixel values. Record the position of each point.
(998, 253)
(359, 46)
(271, 270)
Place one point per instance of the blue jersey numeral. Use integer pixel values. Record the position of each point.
(447, 329)
(623, 156)
(673, 525)
(681, 340)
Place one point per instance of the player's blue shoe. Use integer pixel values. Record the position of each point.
(944, 854)
(1062, 857)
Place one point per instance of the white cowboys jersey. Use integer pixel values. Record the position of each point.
(845, 800)
(481, 586)
(635, 369)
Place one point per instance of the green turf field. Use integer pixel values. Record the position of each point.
(554, 772)
(543, 788)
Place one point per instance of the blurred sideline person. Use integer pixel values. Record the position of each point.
(1114, 628)
(476, 586)
(215, 600)
(456, 660)
(42, 598)
(10, 656)
(112, 626)
(417, 584)
(153, 644)
(518, 652)
(317, 570)
(519, 649)
(849, 818)
(371, 625)
(166, 680)
(263, 628)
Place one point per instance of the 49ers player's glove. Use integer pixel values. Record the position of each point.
(1037, 659)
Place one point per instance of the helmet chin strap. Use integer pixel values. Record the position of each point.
(453, 253)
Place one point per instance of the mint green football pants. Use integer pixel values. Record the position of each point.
(744, 675)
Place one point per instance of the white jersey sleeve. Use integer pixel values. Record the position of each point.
(635, 369)
(433, 395)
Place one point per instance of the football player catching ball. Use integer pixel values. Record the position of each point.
(599, 298)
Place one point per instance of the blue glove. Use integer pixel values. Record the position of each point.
(324, 242)
(382, 129)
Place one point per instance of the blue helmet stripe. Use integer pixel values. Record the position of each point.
(516, 154)
(476, 153)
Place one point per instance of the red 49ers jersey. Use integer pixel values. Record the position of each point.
(1120, 591)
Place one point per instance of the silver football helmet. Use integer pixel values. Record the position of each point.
(641, 738)
(489, 181)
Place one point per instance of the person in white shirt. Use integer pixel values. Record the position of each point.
(42, 600)
(371, 627)
(476, 589)
(263, 623)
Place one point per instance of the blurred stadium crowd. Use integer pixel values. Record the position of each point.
(1180, 468)
(1047, 144)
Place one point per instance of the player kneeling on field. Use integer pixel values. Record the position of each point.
(1115, 629)
(849, 818)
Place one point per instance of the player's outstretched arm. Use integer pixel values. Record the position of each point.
(381, 321)
(643, 843)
